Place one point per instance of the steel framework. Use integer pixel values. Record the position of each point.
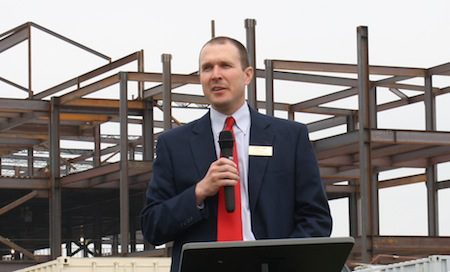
(46, 202)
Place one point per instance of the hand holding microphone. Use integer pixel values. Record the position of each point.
(221, 173)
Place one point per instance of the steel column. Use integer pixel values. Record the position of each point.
(373, 107)
(353, 213)
(291, 115)
(133, 236)
(97, 146)
(251, 48)
(55, 185)
(30, 90)
(167, 90)
(97, 233)
(375, 202)
(124, 194)
(148, 141)
(69, 248)
(351, 121)
(30, 161)
(269, 87)
(140, 68)
(353, 197)
(373, 110)
(115, 245)
(213, 29)
(431, 170)
(365, 165)
(132, 152)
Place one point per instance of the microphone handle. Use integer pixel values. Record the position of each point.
(229, 192)
(229, 198)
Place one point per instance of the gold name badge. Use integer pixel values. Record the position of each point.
(260, 150)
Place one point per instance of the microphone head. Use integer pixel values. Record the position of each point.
(226, 142)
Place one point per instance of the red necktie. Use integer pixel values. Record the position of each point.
(229, 224)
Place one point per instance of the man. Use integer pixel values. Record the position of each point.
(281, 194)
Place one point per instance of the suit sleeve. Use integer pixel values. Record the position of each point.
(169, 211)
(312, 212)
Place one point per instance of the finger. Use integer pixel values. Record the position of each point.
(225, 161)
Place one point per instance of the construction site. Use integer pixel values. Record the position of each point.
(70, 186)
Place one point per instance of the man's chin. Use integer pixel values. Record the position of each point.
(220, 106)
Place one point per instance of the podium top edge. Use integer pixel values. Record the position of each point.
(271, 242)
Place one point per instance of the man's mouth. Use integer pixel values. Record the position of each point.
(217, 88)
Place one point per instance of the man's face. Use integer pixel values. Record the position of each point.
(222, 77)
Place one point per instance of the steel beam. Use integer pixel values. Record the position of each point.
(316, 79)
(329, 111)
(18, 202)
(20, 120)
(341, 175)
(399, 93)
(346, 68)
(89, 75)
(443, 69)
(415, 137)
(420, 157)
(445, 184)
(24, 184)
(70, 41)
(337, 141)
(14, 141)
(18, 248)
(91, 88)
(411, 245)
(13, 84)
(324, 99)
(18, 36)
(327, 123)
(191, 78)
(89, 174)
(387, 183)
(23, 105)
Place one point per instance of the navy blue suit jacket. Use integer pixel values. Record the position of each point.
(285, 191)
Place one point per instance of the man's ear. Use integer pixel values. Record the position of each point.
(249, 73)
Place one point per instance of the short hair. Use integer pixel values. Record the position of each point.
(243, 54)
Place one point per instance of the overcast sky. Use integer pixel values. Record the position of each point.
(401, 33)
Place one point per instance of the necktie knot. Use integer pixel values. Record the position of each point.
(229, 123)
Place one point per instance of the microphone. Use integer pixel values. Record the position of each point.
(226, 143)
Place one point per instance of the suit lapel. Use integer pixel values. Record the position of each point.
(202, 145)
(261, 135)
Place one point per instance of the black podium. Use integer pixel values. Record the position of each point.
(278, 255)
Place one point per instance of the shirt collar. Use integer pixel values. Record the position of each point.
(241, 117)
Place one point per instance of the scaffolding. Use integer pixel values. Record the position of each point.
(52, 196)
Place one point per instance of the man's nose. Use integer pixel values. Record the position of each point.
(216, 72)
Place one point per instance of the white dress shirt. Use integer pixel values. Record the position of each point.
(241, 130)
